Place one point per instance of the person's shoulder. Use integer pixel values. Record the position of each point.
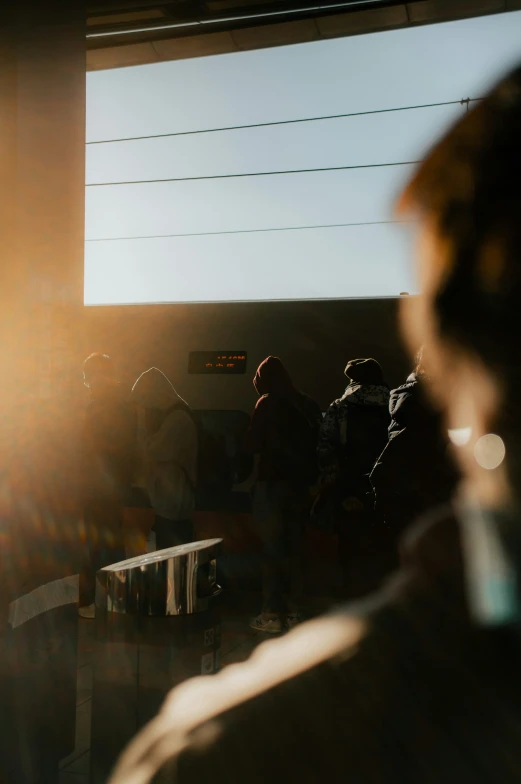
(266, 403)
(403, 396)
(408, 387)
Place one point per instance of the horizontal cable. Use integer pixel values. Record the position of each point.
(251, 174)
(283, 122)
(246, 231)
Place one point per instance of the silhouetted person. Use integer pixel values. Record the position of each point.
(283, 432)
(422, 685)
(409, 401)
(109, 452)
(352, 435)
(416, 470)
(354, 428)
(168, 438)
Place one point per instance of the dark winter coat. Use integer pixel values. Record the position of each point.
(407, 402)
(415, 472)
(284, 427)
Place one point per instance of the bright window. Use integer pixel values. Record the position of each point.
(202, 235)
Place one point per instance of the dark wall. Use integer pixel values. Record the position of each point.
(314, 339)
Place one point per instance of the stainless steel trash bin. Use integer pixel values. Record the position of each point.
(156, 625)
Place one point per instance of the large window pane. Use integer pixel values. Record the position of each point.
(133, 251)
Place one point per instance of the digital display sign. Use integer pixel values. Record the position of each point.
(217, 362)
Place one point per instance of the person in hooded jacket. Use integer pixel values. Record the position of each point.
(283, 432)
(352, 435)
(354, 428)
(168, 438)
(416, 471)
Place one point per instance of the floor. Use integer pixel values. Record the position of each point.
(237, 643)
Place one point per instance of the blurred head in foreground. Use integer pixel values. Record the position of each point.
(468, 201)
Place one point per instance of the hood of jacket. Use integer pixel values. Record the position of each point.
(273, 378)
(366, 395)
(154, 390)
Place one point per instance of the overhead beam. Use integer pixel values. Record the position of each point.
(154, 49)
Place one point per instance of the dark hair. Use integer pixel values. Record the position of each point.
(469, 188)
(97, 365)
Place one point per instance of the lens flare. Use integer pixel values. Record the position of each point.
(460, 436)
(490, 451)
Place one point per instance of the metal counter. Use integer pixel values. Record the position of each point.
(156, 626)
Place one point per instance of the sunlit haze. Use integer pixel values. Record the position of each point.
(256, 238)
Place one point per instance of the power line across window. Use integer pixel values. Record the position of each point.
(247, 231)
(277, 172)
(321, 118)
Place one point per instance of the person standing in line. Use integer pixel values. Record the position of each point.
(354, 429)
(283, 432)
(352, 435)
(167, 435)
(416, 470)
(108, 464)
(409, 399)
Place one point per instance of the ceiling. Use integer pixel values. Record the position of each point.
(113, 22)
(123, 33)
